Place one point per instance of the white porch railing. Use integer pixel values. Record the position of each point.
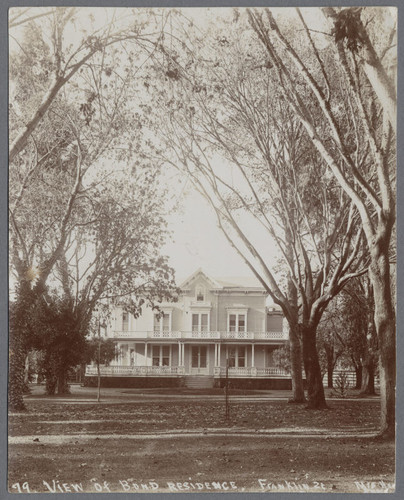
(167, 371)
(250, 371)
(133, 371)
(209, 335)
(265, 372)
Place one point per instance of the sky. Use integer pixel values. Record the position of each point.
(198, 242)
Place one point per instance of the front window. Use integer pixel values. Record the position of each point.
(166, 322)
(165, 355)
(125, 321)
(195, 322)
(200, 295)
(232, 322)
(237, 322)
(161, 355)
(269, 357)
(156, 355)
(241, 356)
(162, 322)
(200, 322)
(204, 323)
(236, 356)
(156, 322)
(199, 356)
(232, 355)
(241, 322)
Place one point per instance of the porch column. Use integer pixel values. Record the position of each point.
(135, 360)
(145, 354)
(216, 363)
(218, 353)
(252, 355)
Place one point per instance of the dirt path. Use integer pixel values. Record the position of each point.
(299, 433)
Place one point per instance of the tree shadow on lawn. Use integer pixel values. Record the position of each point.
(52, 418)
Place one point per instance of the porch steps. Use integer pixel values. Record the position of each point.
(199, 382)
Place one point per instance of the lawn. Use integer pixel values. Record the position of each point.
(189, 446)
(56, 418)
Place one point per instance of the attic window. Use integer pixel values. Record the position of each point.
(200, 295)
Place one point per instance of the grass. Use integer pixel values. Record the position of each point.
(104, 443)
(55, 418)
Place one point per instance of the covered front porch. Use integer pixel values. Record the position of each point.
(218, 360)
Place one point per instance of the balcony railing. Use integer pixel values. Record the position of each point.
(208, 335)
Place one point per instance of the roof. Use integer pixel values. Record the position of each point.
(239, 282)
(193, 276)
(225, 283)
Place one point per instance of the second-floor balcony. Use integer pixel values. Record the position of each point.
(200, 334)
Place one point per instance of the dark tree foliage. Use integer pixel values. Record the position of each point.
(59, 332)
(100, 350)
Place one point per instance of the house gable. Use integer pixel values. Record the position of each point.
(201, 278)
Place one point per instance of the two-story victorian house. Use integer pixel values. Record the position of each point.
(216, 329)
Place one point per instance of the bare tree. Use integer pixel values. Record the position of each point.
(54, 154)
(65, 62)
(357, 146)
(282, 187)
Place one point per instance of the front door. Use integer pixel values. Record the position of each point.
(199, 362)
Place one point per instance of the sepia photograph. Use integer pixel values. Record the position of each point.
(202, 249)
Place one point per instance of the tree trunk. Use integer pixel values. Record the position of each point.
(368, 379)
(26, 370)
(385, 324)
(50, 384)
(19, 311)
(330, 366)
(51, 377)
(358, 376)
(296, 368)
(315, 389)
(62, 385)
(295, 345)
(82, 373)
(17, 354)
(330, 373)
(26, 389)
